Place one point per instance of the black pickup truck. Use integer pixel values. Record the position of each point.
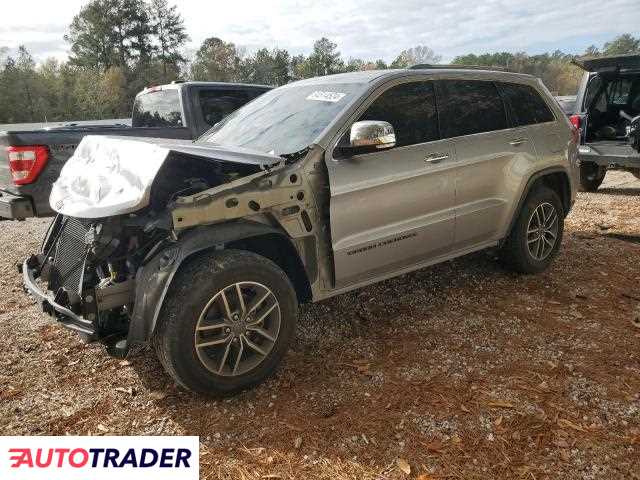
(31, 160)
(607, 114)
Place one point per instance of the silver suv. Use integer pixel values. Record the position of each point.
(205, 249)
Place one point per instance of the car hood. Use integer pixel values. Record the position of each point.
(110, 175)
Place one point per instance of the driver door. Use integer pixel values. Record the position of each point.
(393, 210)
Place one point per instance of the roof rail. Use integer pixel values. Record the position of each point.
(425, 66)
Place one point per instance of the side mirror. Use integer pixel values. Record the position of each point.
(369, 136)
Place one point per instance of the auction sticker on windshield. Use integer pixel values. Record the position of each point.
(321, 96)
(99, 458)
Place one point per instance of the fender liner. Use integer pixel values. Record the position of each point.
(155, 276)
(525, 193)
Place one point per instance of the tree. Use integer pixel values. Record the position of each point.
(170, 35)
(216, 61)
(621, 45)
(592, 51)
(415, 56)
(25, 70)
(297, 67)
(324, 60)
(271, 68)
(110, 32)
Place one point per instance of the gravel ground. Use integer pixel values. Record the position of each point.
(462, 370)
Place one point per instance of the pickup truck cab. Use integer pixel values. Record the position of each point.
(321, 186)
(31, 160)
(607, 110)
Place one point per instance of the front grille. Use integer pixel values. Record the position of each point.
(69, 256)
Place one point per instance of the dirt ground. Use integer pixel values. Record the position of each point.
(462, 371)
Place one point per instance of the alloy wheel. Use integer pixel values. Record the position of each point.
(237, 328)
(542, 231)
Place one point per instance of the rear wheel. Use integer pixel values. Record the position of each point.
(227, 322)
(536, 236)
(591, 176)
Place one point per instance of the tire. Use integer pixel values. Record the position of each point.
(591, 176)
(195, 301)
(516, 253)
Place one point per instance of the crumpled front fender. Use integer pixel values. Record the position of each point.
(153, 280)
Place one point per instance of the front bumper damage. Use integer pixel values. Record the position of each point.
(30, 269)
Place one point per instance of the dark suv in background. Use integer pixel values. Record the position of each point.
(608, 100)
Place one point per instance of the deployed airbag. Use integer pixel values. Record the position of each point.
(107, 176)
(114, 175)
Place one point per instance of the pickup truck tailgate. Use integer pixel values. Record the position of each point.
(5, 175)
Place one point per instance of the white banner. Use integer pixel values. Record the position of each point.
(99, 458)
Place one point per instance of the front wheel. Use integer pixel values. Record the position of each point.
(227, 322)
(536, 236)
(591, 176)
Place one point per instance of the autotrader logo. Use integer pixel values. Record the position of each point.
(70, 458)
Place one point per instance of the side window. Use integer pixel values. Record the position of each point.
(217, 104)
(527, 106)
(469, 106)
(594, 87)
(410, 108)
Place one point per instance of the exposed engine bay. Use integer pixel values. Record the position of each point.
(90, 266)
(111, 223)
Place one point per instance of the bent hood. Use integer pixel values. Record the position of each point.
(113, 175)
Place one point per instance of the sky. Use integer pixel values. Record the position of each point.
(368, 29)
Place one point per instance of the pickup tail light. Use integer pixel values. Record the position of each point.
(26, 163)
(576, 121)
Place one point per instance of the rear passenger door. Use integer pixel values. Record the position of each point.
(393, 209)
(529, 110)
(490, 158)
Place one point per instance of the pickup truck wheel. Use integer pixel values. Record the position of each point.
(227, 322)
(536, 236)
(591, 176)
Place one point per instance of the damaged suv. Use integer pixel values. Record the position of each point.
(205, 249)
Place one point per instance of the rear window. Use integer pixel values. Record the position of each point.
(527, 106)
(217, 104)
(160, 108)
(466, 107)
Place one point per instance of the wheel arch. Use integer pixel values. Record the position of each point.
(555, 178)
(154, 279)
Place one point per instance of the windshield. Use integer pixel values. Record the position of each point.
(285, 120)
(160, 108)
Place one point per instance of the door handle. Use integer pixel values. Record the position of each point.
(517, 141)
(436, 157)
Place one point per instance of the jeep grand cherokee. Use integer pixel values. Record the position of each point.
(313, 189)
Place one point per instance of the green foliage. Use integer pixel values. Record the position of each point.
(416, 56)
(216, 61)
(110, 33)
(120, 46)
(624, 44)
(267, 67)
(170, 36)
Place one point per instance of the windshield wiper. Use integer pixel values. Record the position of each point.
(295, 156)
